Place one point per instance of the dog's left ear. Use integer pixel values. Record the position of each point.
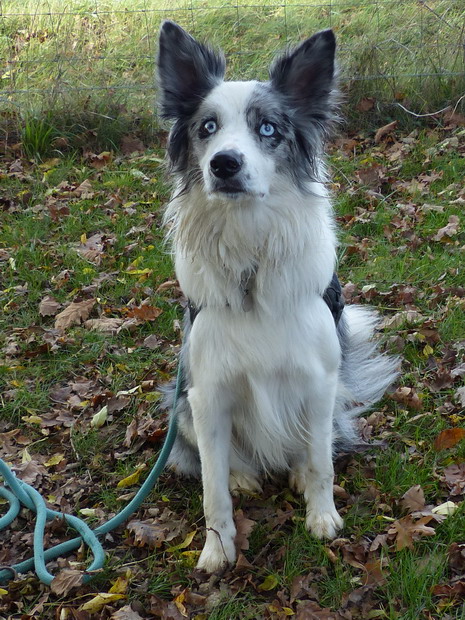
(187, 71)
(305, 75)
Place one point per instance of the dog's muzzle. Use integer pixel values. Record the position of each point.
(226, 164)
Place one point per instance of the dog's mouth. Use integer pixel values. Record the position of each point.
(230, 189)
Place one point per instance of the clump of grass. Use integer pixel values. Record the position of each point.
(37, 138)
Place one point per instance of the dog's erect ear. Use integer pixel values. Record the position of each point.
(305, 75)
(187, 71)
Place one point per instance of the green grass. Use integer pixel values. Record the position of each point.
(39, 256)
(83, 71)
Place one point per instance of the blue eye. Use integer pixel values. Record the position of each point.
(210, 126)
(267, 129)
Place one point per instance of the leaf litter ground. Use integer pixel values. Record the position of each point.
(90, 328)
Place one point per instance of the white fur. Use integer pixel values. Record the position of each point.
(264, 383)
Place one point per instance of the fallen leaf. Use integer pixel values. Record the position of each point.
(384, 131)
(65, 581)
(408, 529)
(131, 144)
(74, 314)
(84, 190)
(408, 397)
(48, 306)
(457, 558)
(460, 396)
(97, 603)
(54, 460)
(446, 509)
(244, 527)
(185, 543)
(453, 590)
(99, 161)
(152, 533)
(448, 438)
(270, 583)
(450, 230)
(99, 418)
(366, 104)
(374, 573)
(132, 479)
(145, 313)
(120, 586)
(414, 499)
(409, 317)
(454, 477)
(126, 613)
(106, 325)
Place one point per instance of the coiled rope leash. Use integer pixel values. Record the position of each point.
(22, 493)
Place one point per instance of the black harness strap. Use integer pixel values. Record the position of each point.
(332, 296)
(334, 299)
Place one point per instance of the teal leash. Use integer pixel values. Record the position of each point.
(21, 493)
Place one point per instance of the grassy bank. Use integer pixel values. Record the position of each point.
(87, 68)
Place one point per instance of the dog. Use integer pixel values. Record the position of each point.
(275, 369)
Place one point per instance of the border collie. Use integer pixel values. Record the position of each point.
(271, 381)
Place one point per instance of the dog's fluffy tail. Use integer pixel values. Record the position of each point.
(366, 373)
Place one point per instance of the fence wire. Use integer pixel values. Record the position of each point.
(90, 52)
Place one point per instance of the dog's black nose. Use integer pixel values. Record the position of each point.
(226, 164)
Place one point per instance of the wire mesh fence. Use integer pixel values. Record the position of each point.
(98, 55)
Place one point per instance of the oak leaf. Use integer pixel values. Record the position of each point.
(74, 314)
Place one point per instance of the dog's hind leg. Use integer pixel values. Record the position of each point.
(322, 518)
(212, 424)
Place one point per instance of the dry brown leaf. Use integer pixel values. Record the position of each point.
(384, 131)
(449, 230)
(448, 438)
(106, 325)
(84, 190)
(453, 590)
(460, 396)
(244, 527)
(374, 573)
(404, 316)
(408, 397)
(126, 613)
(48, 306)
(406, 530)
(414, 499)
(66, 580)
(99, 161)
(74, 314)
(366, 104)
(145, 313)
(153, 533)
(147, 533)
(131, 144)
(454, 477)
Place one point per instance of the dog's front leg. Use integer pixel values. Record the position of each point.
(212, 425)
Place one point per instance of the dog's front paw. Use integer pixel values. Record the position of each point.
(324, 524)
(218, 552)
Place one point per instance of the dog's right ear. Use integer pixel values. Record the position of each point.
(187, 71)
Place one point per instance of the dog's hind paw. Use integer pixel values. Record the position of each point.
(324, 524)
(240, 482)
(297, 480)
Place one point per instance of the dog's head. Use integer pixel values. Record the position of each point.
(239, 139)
